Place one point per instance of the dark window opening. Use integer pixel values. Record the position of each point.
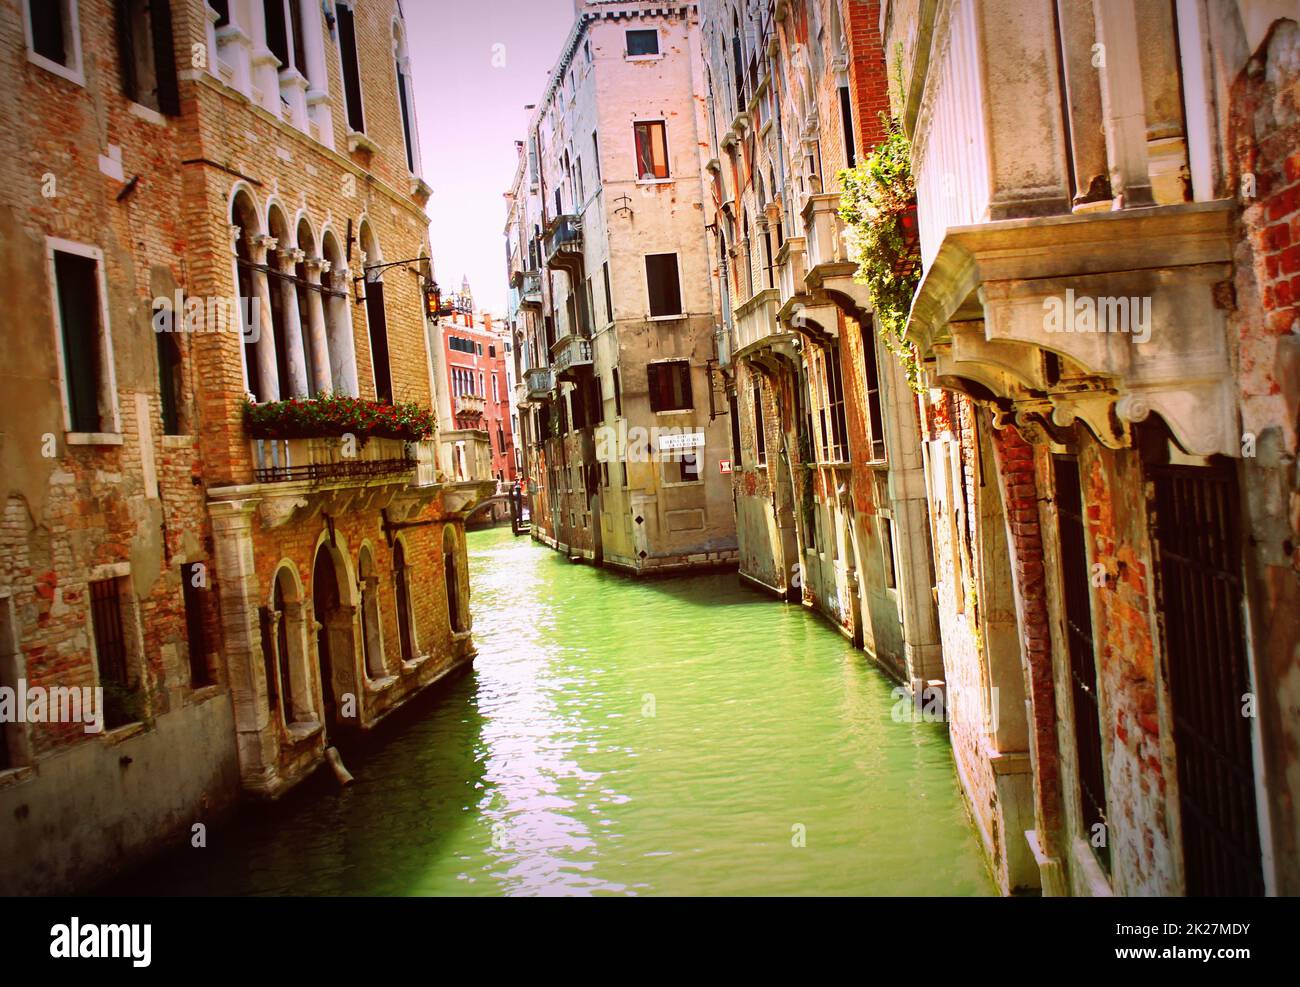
(277, 31)
(403, 602)
(50, 30)
(351, 67)
(406, 119)
(846, 117)
(875, 413)
(643, 42)
(77, 286)
(193, 586)
(664, 284)
(760, 431)
(1075, 583)
(120, 704)
(378, 323)
(670, 386)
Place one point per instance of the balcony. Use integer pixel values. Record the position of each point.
(530, 293)
(830, 269)
(563, 243)
(465, 455)
(812, 315)
(332, 460)
(539, 382)
(570, 354)
(470, 404)
(757, 326)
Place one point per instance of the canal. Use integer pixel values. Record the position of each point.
(684, 736)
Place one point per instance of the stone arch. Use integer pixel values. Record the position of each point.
(288, 669)
(376, 317)
(457, 597)
(245, 227)
(406, 636)
(334, 605)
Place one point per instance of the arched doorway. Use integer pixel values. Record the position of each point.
(325, 600)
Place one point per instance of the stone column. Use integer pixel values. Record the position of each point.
(343, 356)
(289, 259)
(1123, 103)
(239, 593)
(1083, 102)
(320, 352)
(267, 366)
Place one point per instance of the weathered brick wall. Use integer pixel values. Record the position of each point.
(1265, 145)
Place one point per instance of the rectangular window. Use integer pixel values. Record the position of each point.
(760, 432)
(663, 284)
(110, 652)
(618, 396)
(351, 66)
(846, 118)
(193, 586)
(688, 468)
(1071, 528)
(874, 410)
(595, 147)
(85, 374)
(146, 56)
(887, 551)
(651, 150)
(643, 42)
(277, 30)
(670, 386)
(838, 451)
(54, 37)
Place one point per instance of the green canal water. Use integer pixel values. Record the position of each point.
(678, 736)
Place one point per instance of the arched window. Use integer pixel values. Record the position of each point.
(338, 318)
(401, 583)
(372, 641)
(405, 94)
(376, 319)
(245, 227)
(286, 675)
(451, 570)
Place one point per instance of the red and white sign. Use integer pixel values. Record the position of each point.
(724, 465)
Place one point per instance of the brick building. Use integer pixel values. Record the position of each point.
(474, 353)
(627, 430)
(237, 174)
(1109, 337)
(827, 472)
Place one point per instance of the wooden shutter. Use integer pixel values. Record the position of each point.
(164, 57)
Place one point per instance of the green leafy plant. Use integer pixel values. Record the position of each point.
(878, 206)
(337, 414)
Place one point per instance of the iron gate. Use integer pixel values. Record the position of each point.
(1199, 557)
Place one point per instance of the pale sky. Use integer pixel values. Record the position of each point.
(470, 113)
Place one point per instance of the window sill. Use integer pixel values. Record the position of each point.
(357, 141)
(643, 58)
(147, 113)
(16, 776)
(118, 735)
(301, 730)
(655, 181)
(669, 484)
(382, 683)
(675, 411)
(678, 317)
(76, 75)
(178, 441)
(93, 438)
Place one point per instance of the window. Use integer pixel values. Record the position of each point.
(609, 297)
(193, 585)
(351, 66)
(119, 703)
(595, 148)
(618, 395)
(760, 432)
(846, 117)
(148, 61)
(85, 345)
(670, 386)
(835, 442)
(492, 352)
(403, 590)
(169, 382)
(640, 43)
(496, 389)
(651, 150)
(403, 68)
(877, 421)
(887, 551)
(688, 467)
(53, 37)
(663, 284)
(451, 572)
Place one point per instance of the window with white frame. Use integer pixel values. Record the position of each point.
(146, 54)
(85, 346)
(53, 34)
(351, 66)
